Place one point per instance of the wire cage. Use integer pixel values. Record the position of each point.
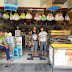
(29, 40)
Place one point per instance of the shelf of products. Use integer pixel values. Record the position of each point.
(59, 36)
(60, 52)
(60, 55)
(11, 42)
(18, 44)
(14, 42)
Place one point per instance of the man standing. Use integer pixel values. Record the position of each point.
(34, 41)
(43, 40)
(3, 47)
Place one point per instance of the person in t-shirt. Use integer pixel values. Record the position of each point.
(43, 41)
(34, 41)
(5, 47)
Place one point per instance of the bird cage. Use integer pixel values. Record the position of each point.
(29, 40)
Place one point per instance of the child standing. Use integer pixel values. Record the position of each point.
(34, 41)
(43, 41)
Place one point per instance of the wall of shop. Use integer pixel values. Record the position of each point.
(24, 3)
(65, 5)
(31, 3)
(1, 3)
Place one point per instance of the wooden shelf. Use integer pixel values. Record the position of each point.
(57, 43)
(59, 35)
(62, 46)
(58, 40)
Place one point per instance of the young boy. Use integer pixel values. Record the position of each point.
(43, 40)
(34, 41)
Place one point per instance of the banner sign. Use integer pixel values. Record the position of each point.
(10, 5)
(62, 57)
(69, 4)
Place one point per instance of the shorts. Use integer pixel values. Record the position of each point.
(35, 46)
(43, 45)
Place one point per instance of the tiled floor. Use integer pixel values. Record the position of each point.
(23, 58)
(24, 65)
(28, 68)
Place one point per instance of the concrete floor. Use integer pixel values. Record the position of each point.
(28, 68)
(23, 58)
(24, 65)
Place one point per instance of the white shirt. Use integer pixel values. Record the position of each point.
(34, 36)
(43, 36)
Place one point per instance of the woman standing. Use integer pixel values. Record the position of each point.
(43, 41)
(34, 41)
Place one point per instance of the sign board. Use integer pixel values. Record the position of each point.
(10, 5)
(62, 57)
(50, 53)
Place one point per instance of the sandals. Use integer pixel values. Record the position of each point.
(42, 55)
(37, 54)
(46, 56)
(32, 54)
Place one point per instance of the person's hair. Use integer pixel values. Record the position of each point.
(0, 31)
(42, 27)
(34, 26)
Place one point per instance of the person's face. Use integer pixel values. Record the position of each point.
(42, 29)
(34, 28)
(1, 33)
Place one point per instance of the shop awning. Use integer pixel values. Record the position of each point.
(54, 8)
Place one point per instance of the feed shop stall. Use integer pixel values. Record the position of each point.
(60, 52)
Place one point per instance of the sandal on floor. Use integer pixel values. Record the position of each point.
(32, 54)
(46, 56)
(37, 54)
(42, 55)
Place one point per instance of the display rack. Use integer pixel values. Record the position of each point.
(14, 42)
(18, 44)
(59, 36)
(60, 52)
(60, 56)
(28, 40)
(11, 42)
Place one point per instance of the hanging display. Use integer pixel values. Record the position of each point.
(43, 18)
(67, 18)
(16, 17)
(50, 17)
(59, 17)
(6, 16)
(11, 16)
(28, 16)
(1, 15)
(10, 5)
(37, 17)
(22, 16)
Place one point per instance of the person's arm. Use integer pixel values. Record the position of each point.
(39, 40)
(1, 44)
(46, 39)
(32, 40)
(37, 36)
(6, 45)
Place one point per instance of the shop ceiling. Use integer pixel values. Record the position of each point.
(58, 1)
